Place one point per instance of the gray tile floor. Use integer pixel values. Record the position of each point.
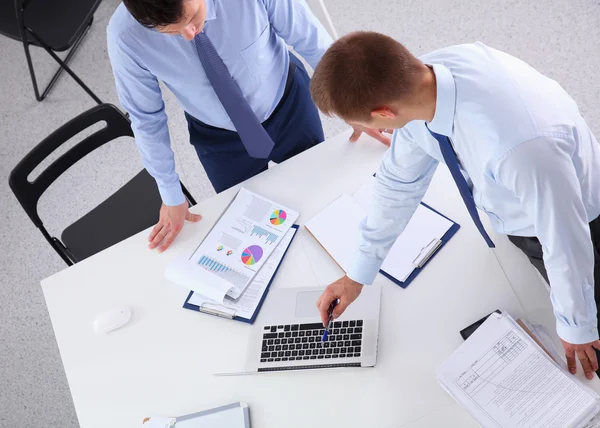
(559, 37)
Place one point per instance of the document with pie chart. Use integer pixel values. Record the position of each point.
(236, 247)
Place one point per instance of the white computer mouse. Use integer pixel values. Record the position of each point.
(112, 320)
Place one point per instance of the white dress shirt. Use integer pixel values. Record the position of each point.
(532, 162)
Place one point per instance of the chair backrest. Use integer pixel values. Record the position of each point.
(320, 11)
(29, 192)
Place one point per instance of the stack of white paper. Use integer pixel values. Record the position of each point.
(247, 303)
(504, 379)
(235, 249)
(336, 229)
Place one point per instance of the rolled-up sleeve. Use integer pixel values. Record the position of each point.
(140, 95)
(402, 180)
(541, 174)
(293, 21)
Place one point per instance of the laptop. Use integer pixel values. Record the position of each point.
(288, 333)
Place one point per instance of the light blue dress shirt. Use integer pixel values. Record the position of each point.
(532, 162)
(249, 35)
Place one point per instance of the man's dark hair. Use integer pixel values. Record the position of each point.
(361, 72)
(155, 13)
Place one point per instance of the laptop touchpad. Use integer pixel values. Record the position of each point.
(306, 304)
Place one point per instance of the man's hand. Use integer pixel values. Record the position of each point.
(378, 134)
(586, 355)
(344, 289)
(169, 225)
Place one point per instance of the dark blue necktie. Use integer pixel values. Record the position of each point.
(257, 142)
(461, 183)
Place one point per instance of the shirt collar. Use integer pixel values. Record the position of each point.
(211, 10)
(443, 119)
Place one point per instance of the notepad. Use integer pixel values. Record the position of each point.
(336, 229)
(504, 379)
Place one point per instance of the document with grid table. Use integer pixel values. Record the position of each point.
(504, 379)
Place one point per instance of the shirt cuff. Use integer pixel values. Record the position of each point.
(172, 196)
(577, 335)
(364, 269)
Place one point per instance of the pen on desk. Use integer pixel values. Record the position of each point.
(329, 319)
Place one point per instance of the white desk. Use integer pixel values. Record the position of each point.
(162, 361)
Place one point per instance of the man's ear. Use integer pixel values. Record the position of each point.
(383, 113)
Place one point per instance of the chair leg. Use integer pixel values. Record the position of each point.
(59, 247)
(31, 71)
(188, 195)
(62, 66)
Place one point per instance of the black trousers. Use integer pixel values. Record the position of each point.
(533, 250)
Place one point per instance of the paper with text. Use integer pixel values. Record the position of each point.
(504, 379)
(236, 248)
(246, 304)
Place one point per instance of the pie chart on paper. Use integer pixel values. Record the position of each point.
(278, 217)
(252, 255)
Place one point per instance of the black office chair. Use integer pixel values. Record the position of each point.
(55, 25)
(105, 225)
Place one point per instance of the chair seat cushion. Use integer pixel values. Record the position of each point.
(133, 208)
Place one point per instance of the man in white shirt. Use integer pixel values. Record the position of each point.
(515, 142)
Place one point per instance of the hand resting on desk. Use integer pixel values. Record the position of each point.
(378, 134)
(170, 224)
(344, 289)
(586, 353)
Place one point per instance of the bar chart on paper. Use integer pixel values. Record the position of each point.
(230, 274)
(270, 238)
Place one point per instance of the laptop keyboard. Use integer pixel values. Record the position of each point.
(300, 342)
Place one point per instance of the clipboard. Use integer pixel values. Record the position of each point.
(240, 418)
(337, 250)
(420, 266)
(229, 313)
(235, 415)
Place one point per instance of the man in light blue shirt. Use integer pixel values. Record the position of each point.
(153, 40)
(524, 151)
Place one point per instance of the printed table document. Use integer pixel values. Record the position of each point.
(504, 379)
(235, 249)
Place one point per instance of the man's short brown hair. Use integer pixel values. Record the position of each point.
(361, 72)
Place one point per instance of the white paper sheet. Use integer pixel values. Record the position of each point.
(336, 229)
(504, 379)
(236, 248)
(190, 275)
(422, 232)
(364, 194)
(246, 304)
